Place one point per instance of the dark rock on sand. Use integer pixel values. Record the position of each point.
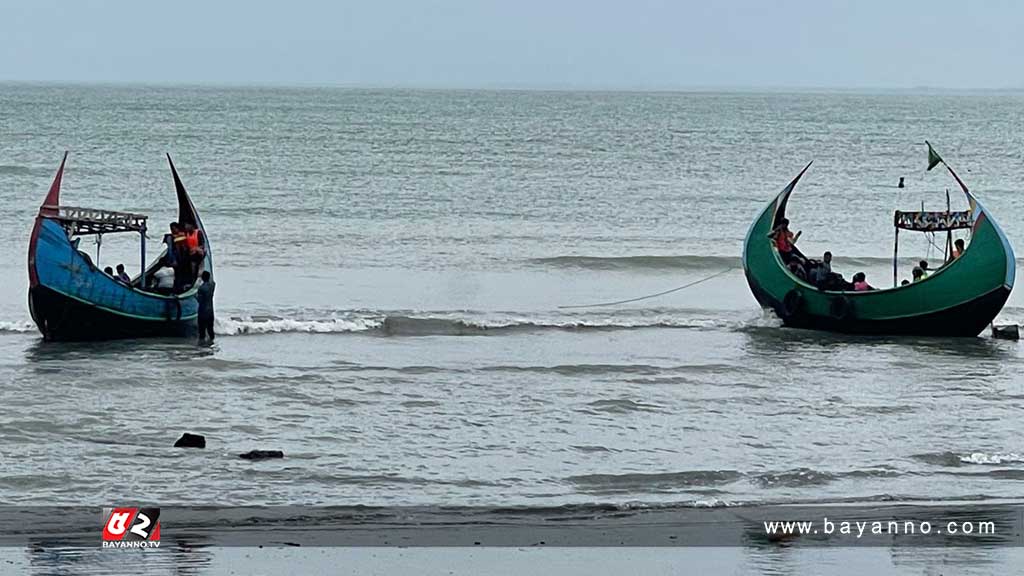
(191, 441)
(261, 454)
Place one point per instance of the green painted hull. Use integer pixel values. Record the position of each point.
(960, 299)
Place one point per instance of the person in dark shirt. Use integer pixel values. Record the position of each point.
(924, 269)
(204, 295)
(820, 272)
(956, 252)
(122, 275)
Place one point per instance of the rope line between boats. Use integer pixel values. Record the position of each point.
(649, 296)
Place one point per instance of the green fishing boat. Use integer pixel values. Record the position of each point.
(959, 299)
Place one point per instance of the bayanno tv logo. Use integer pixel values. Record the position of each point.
(131, 527)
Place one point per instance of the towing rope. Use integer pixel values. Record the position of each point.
(676, 289)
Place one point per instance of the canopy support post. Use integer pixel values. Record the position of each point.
(142, 262)
(895, 254)
(99, 242)
(948, 255)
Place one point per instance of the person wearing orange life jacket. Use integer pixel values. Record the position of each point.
(196, 253)
(177, 253)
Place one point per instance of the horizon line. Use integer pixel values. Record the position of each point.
(517, 87)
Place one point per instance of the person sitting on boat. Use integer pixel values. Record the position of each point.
(958, 249)
(905, 282)
(917, 273)
(860, 282)
(923, 264)
(784, 239)
(797, 270)
(164, 278)
(108, 271)
(820, 272)
(122, 276)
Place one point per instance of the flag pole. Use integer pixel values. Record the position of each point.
(934, 160)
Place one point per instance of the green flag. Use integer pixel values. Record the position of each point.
(933, 157)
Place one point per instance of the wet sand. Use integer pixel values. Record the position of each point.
(513, 561)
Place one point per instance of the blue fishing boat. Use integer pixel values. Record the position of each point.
(71, 298)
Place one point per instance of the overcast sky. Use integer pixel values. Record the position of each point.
(643, 44)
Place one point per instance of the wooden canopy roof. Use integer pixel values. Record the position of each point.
(83, 221)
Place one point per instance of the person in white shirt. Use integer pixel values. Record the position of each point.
(163, 278)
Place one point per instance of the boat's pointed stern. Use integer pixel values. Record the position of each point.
(186, 210)
(982, 217)
(187, 213)
(756, 247)
(47, 208)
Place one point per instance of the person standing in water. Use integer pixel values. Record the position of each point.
(204, 295)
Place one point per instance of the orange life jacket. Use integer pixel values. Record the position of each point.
(784, 241)
(192, 241)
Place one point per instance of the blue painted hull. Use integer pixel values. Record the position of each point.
(65, 319)
(74, 300)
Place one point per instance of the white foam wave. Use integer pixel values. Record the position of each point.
(17, 326)
(998, 458)
(245, 325)
(713, 503)
(461, 322)
(767, 319)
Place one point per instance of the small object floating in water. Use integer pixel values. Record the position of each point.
(900, 185)
(959, 299)
(261, 454)
(189, 440)
(1006, 331)
(70, 296)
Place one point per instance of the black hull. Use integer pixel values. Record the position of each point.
(61, 318)
(967, 319)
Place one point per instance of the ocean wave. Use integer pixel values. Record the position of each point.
(620, 406)
(700, 480)
(650, 262)
(17, 326)
(795, 478)
(240, 326)
(656, 482)
(957, 459)
(468, 324)
(14, 169)
(997, 458)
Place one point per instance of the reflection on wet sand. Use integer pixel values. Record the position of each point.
(177, 556)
